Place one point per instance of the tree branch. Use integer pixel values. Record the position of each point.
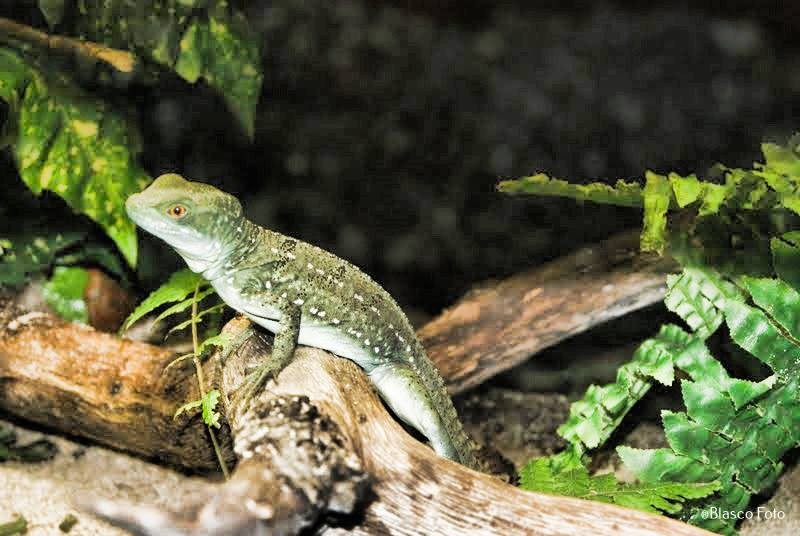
(121, 60)
(338, 433)
(500, 325)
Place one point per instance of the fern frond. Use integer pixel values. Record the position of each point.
(768, 186)
(733, 431)
(178, 287)
(698, 295)
(593, 418)
(543, 475)
(628, 194)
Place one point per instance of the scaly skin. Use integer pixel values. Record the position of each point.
(303, 294)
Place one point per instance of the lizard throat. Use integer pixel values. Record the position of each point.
(242, 241)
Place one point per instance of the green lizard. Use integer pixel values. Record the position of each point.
(304, 295)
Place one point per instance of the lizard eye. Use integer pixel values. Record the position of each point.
(177, 211)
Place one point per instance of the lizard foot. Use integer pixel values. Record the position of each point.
(236, 343)
(256, 380)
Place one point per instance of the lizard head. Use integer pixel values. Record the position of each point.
(196, 219)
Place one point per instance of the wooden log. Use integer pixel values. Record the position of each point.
(413, 490)
(92, 384)
(500, 325)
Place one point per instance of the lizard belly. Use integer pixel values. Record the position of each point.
(311, 333)
(326, 338)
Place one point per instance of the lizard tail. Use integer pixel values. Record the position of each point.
(417, 394)
(465, 448)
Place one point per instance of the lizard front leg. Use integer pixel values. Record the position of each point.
(283, 348)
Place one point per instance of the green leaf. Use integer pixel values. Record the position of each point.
(779, 300)
(539, 475)
(687, 189)
(734, 431)
(97, 254)
(33, 252)
(223, 52)
(184, 304)
(752, 330)
(178, 360)
(658, 465)
(661, 465)
(73, 145)
(221, 340)
(700, 365)
(64, 292)
(53, 11)
(622, 193)
(699, 296)
(593, 418)
(15, 75)
(206, 40)
(180, 285)
(187, 407)
(657, 196)
(782, 407)
(786, 260)
(208, 404)
(210, 415)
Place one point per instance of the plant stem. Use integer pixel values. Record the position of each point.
(201, 381)
(121, 60)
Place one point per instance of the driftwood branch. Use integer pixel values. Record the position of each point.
(318, 441)
(121, 60)
(500, 325)
(96, 385)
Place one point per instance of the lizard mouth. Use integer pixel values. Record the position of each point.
(133, 206)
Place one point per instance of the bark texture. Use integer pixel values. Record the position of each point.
(501, 324)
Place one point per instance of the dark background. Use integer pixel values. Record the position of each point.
(384, 126)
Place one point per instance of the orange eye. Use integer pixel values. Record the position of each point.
(177, 211)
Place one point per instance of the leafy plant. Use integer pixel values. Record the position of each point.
(550, 475)
(74, 145)
(197, 39)
(740, 272)
(32, 252)
(64, 293)
(772, 185)
(82, 144)
(184, 290)
(178, 288)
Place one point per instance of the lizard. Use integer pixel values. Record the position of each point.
(304, 295)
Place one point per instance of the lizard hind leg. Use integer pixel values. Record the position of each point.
(402, 390)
